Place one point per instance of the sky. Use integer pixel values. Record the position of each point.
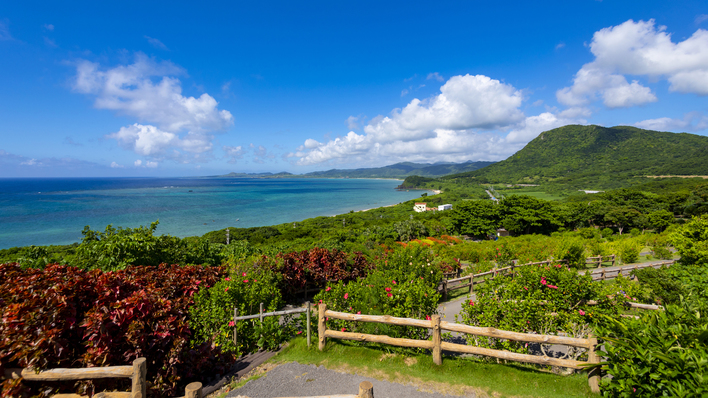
(124, 88)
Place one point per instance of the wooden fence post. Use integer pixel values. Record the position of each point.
(471, 283)
(235, 331)
(193, 390)
(444, 297)
(593, 373)
(139, 388)
(613, 260)
(366, 390)
(321, 325)
(437, 339)
(260, 314)
(603, 274)
(309, 308)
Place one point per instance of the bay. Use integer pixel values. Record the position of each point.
(55, 211)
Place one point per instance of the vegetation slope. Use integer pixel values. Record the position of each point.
(595, 157)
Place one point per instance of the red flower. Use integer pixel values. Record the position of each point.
(389, 295)
(245, 281)
(226, 290)
(227, 279)
(427, 317)
(344, 329)
(388, 289)
(328, 289)
(231, 323)
(471, 302)
(394, 282)
(244, 274)
(346, 296)
(552, 287)
(358, 312)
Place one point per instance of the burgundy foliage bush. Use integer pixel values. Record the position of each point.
(63, 316)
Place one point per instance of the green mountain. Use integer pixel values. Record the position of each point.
(402, 170)
(282, 174)
(595, 157)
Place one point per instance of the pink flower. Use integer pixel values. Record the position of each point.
(388, 289)
(231, 323)
(226, 290)
(394, 282)
(245, 281)
(471, 302)
(198, 282)
(525, 288)
(389, 295)
(299, 332)
(581, 312)
(328, 289)
(227, 279)
(552, 286)
(244, 274)
(427, 317)
(346, 296)
(344, 329)
(358, 312)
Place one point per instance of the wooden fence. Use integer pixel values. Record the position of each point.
(436, 345)
(458, 283)
(137, 373)
(366, 390)
(307, 309)
(602, 274)
(598, 260)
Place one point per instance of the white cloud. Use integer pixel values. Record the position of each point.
(467, 120)
(31, 162)
(115, 165)
(48, 27)
(404, 92)
(138, 163)
(50, 42)
(435, 76)
(639, 49)
(148, 91)
(151, 165)
(560, 45)
(353, 122)
(692, 121)
(156, 43)
(701, 18)
(233, 153)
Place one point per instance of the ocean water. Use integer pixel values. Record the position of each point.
(55, 211)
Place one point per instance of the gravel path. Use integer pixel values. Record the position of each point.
(297, 380)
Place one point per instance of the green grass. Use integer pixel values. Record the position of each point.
(535, 194)
(455, 376)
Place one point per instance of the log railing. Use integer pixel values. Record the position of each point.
(137, 373)
(598, 260)
(366, 390)
(306, 309)
(601, 274)
(436, 345)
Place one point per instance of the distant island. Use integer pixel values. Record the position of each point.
(398, 170)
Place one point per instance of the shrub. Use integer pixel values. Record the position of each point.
(607, 232)
(63, 316)
(628, 252)
(212, 313)
(571, 250)
(539, 299)
(662, 354)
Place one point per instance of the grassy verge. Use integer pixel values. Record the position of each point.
(455, 376)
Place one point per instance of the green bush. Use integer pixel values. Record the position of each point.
(403, 285)
(628, 252)
(539, 299)
(571, 250)
(211, 317)
(662, 354)
(607, 232)
(666, 288)
(691, 241)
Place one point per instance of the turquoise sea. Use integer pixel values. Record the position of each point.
(55, 211)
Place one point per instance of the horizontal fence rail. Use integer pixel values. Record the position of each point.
(602, 274)
(307, 309)
(436, 345)
(137, 373)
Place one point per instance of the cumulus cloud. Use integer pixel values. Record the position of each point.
(353, 122)
(640, 49)
(261, 154)
(115, 165)
(473, 117)
(692, 121)
(171, 124)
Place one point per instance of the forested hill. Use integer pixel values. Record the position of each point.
(591, 157)
(403, 170)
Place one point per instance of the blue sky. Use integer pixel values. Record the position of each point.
(181, 89)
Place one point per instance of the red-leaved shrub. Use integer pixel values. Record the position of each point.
(63, 316)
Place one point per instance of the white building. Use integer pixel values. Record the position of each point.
(420, 207)
(445, 207)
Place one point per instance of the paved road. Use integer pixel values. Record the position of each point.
(297, 380)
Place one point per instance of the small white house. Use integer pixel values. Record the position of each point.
(445, 207)
(420, 207)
